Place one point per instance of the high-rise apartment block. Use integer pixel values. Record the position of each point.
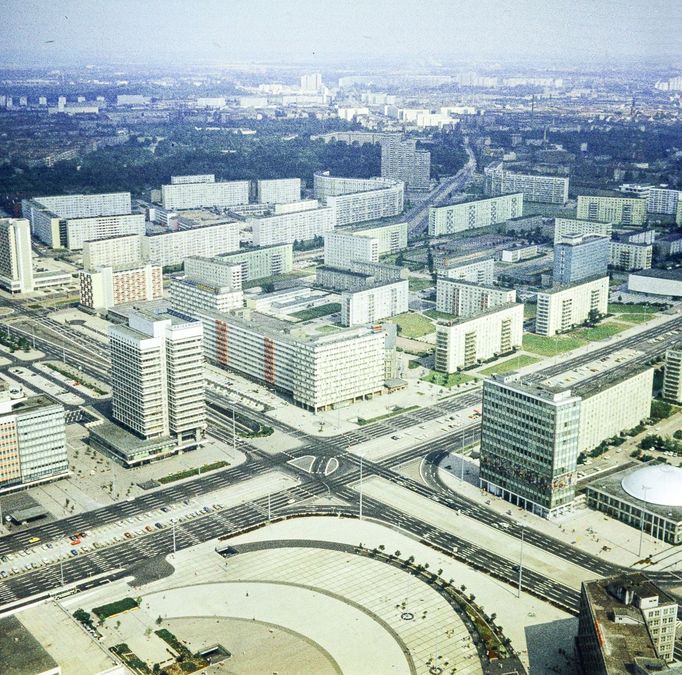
(32, 441)
(626, 624)
(621, 210)
(464, 342)
(311, 82)
(566, 226)
(70, 220)
(16, 269)
(341, 249)
(114, 252)
(105, 287)
(672, 374)
(374, 303)
(630, 256)
(279, 191)
(385, 201)
(534, 428)
(391, 237)
(661, 200)
(203, 193)
(290, 227)
(563, 307)
(578, 257)
(535, 188)
(157, 377)
(477, 272)
(464, 298)
(400, 160)
(258, 263)
(473, 214)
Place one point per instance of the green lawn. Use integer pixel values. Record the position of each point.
(435, 314)
(327, 328)
(618, 308)
(416, 284)
(447, 379)
(316, 312)
(635, 318)
(529, 311)
(412, 325)
(600, 332)
(550, 346)
(509, 365)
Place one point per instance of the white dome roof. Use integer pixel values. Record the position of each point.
(655, 484)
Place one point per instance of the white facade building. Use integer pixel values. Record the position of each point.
(204, 194)
(392, 237)
(359, 207)
(563, 307)
(663, 201)
(341, 249)
(260, 263)
(114, 252)
(463, 298)
(567, 226)
(291, 227)
(190, 294)
(547, 189)
(279, 191)
(157, 377)
(477, 272)
(471, 215)
(80, 230)
(16, 269)
(375, 303)
(622, 210)
(106, 287)
(464, 342)
(672, 374)
(629, 256)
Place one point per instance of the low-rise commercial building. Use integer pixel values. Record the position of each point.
(520, 252)
(291, 227)
(204, 193)
(32, 440)
(473, 214)
(567, 226)
(621, 210)
(373, 304)
(279, 190)
(648, 498)
(664, 283)
(563, 307)
(534, 428)
(535, 188)
(16, 266)
(464, 342)
(464, 298)
(626, 625)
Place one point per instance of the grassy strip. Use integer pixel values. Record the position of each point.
(132, 661)
(363, 421)
(510, 365)
(170, 478)
(435, 314)
(550, 346)
(412, 325)
(634, 308)
(600, 332)
(447, 379)
(316, 312)
(76, 378)
(105, 611)
(415, 284)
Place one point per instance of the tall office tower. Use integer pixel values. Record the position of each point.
(32, 441)
(578, 257)
(621, 210)
(672, 379)
(533, 427)
(16, 270)
(157, 377)
(546, 189)
(311, 82)
(400, 160)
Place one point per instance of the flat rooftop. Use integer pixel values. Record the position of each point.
(563, 287)
(484, 312)
(673, 275)
(20, 652)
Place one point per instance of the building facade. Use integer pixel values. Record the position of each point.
(290, 227)
(204, 194)
(16, 267)
(105, 287)
(279, 191)
(80, 230)
(477, 272)
(471, 215)
(535, 188)
(392, 237)
(463, 298)
(628, 256)
(663, 201)
(373, 304)
(567, 226)
(672, 374)
(401, 160)
(621, 210)
(578, 257)
(341, 249)
(260, 263)
(358, 207)
(563, 307)
(114, 252)
(465, 342)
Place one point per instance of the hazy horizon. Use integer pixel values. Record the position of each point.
(175, 32)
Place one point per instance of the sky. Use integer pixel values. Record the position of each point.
(547, 32)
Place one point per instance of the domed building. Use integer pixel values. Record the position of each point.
(648, 496)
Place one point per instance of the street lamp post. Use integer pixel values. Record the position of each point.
(360, 487)
(174, 541)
